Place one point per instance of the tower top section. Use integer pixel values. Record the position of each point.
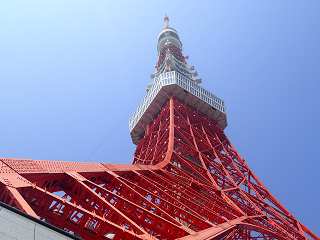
(174, 77)
(168, 35)
(170, 55)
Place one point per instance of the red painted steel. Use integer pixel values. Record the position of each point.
(186, 181)
(173, 50)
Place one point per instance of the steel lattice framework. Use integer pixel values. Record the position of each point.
(187, 181)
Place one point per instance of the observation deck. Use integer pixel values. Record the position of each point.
(183, 88)
(168, 35)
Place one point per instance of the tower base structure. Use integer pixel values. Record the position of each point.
(186, 181)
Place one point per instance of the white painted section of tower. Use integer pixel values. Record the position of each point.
(170, 82)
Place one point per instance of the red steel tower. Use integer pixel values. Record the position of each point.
(186, 181)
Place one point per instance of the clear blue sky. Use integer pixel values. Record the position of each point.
(71, 70)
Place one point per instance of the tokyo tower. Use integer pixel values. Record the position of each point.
(186, 181)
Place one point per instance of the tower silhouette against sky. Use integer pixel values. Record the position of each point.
(186, 180)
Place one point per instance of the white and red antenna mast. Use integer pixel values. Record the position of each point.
(166, 22)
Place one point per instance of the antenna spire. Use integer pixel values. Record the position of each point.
(166, 22)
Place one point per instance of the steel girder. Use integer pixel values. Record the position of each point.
(186, 181)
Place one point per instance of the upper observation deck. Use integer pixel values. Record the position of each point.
(183, 88)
